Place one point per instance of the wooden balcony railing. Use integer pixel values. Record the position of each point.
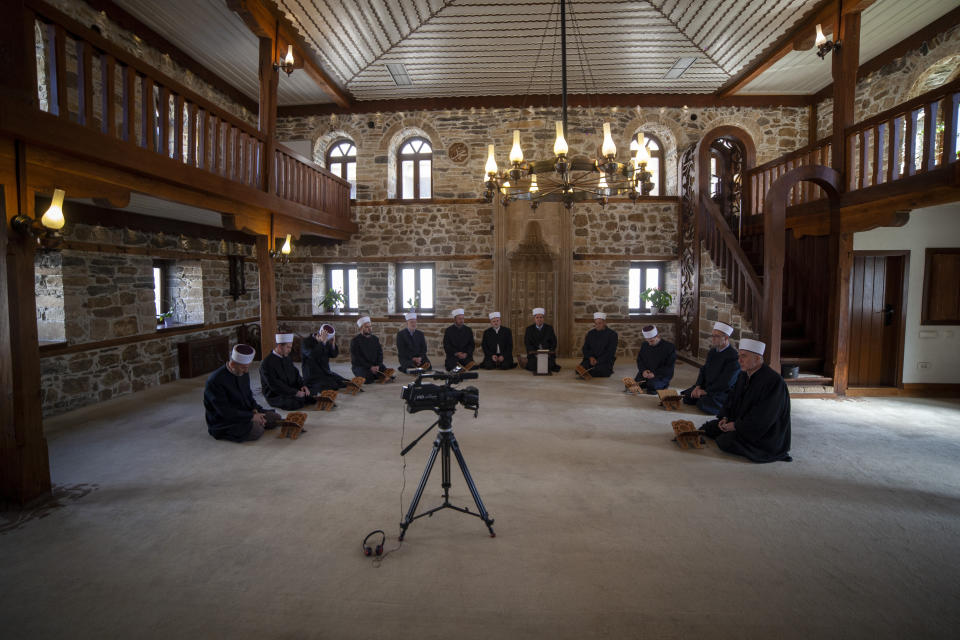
(915, 137)
(761, 177)
(88, 81)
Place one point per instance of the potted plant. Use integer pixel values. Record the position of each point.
(414, 303)
(659, 298)
(163, 318)
(333, 300)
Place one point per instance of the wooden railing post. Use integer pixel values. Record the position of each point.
(268, 114)
(268, 295)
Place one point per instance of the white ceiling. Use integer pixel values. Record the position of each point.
(492, 47)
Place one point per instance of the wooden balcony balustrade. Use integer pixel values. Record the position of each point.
(760, 178)
(85, 80)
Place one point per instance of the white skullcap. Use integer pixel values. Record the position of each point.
(494, 314)
(539, 311)
(410, 316)
(725, 328)
(283, 338)
(456, 312)
(362, 320)
(757, 347)
(329, 329)
(651, 333)
(243, 354)
(599, 315)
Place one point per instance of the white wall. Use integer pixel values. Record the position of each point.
(938, 345)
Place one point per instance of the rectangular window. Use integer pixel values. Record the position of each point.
(343, 278)
(941, 296)
(161, 291)
(406, 171)
(417, 287)
(643, 276)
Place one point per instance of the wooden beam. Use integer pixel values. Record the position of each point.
(265, 21)
(268, 296)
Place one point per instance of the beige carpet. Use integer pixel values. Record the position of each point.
(605, 529)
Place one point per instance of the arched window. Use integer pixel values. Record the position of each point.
(655, 149)
(342, 162)
(415, 162)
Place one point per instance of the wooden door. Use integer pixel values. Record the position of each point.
(877, 318)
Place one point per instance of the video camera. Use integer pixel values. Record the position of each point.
(435, 397)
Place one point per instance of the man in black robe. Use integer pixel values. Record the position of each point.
(717, 375)
(655, 362)
(458, 343)
(600, 348)
(366, 354)
(280, 381)
(539, 336)
(231, 412)
(497, 345)
(755, 420)
(316, 351)
(412, 346)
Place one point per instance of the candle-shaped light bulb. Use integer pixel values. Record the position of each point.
(533, 184)
(643, 156)
(608, 149)
(560, 147)
(53, 218)
(505, 189)
(821, 39)
(491, 162)
(285, 250)
(602, 183)
(516, 153)
(288, 60)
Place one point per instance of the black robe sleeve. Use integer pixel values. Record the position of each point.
(723, 371)
(601, 345)
(458, 339)
(543, 338)
(279, 377)
(759, 408)
(229, 405)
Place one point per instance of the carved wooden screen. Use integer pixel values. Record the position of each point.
(688, 333)
(533, 282)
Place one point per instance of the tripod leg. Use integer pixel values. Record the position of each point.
(473, 488)
(423, 483)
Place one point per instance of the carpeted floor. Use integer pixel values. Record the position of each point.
(605, 529)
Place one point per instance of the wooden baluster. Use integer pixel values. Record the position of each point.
(864, 139)
(163, 145)
(85, 84)
(237, 155)
(108, 110)
(216, 149)
(178, 103)
(879, 139)
(229, 166)
(148, 114)
(893, 151)
(58, 72)
(192, 134)
(848, 163)
(930, 113)
(950, 127)
(130, 105)
(203, 140)
(910, 143)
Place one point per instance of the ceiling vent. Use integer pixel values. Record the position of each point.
(679, 67)
(399, 74)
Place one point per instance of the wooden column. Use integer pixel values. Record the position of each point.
(24, 462)
(268, 295)
(845, 64)
(268, 114)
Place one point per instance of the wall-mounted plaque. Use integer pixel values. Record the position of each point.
(458, 152)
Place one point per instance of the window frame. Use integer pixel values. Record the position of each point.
(345, 161)
(416, 158)
(643, 265)
(164, 267)
(328, 270)
(657, 155)
(402, 295)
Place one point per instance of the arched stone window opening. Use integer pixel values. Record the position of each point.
(727, 157)
(415, 169)
(341, 161)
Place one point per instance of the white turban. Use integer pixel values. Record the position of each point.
(539, 311)
(283, 338)
(456, 312)
(652, 333)
(757, 347)
(725, 328)
(243, 354)
(599, 315)
(410, 316)
(362, 320)
(494, 314)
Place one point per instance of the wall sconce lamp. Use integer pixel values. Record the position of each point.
(287, 63)
(824, 46)
(47, 229)
(283, 255)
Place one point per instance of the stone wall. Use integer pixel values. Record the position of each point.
(717, 304)
(48, 282)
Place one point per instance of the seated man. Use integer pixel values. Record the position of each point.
(717, 374)
(539, 336)
(655, 361)
(412, 346)
(280, 381)
(458, 343)
(497, 345)
(755, 420)
(600, 348)
(231, 411)
(316, 351)
(366, 354)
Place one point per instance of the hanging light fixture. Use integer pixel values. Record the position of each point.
(561, 179)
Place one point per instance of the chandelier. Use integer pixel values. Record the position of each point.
(562, 179)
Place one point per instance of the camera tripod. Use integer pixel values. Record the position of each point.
(444, 443)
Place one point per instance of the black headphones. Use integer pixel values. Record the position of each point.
(377, 550)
